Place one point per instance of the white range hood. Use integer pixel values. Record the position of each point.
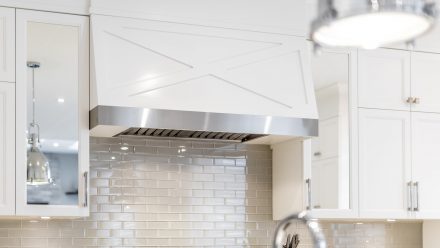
(151, 75)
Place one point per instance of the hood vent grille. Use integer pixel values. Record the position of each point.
(172, 133)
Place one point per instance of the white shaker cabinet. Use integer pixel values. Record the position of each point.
(7, 44)
(384, 79)
(399, 80)
(399, 150)
(426, 164)
(399, 164)
(384, 163)
(7, 149)
(425, 82)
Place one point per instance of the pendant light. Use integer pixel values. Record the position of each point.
(38, 169)
(370, 24)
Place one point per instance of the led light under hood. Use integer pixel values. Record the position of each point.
(371, 24)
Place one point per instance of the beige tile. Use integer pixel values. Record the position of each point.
(10, 224)
(85, 241)
(34, 242)
(215, 194)
(40, 232)
(10, 242)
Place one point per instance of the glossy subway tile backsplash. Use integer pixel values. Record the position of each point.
(178, 193)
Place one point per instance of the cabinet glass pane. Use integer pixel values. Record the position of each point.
(330, 150)
(55, 93)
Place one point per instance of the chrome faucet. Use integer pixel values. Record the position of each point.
(312, 225)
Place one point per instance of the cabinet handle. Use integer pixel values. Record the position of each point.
(416, 189)
(317, 154)
(309, 193)
(86, 190)
(416, 100)
(410, 199)
(409, 100)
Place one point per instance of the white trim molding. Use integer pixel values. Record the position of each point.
(270, 16)
(79, 7)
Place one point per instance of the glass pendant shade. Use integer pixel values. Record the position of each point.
(38, 169)
(371, 24)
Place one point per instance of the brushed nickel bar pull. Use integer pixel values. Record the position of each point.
(416, 189)
(410, 199)
(309, 194)
(86, 190)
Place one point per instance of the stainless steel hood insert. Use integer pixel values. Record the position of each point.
(109, 121)
(188, 134)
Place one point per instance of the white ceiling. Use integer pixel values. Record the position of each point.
(56, 48)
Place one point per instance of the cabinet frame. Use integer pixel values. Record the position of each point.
(7, 157)
(353, 211)
(82, 22)
(7, 64)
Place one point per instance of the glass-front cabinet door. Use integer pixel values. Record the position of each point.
(332, 174)
(52, 114)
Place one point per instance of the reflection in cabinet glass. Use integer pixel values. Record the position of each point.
(56, 110)
(52, 111)
(330, 170)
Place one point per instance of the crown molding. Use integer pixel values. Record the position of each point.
(286, 17)
(79, 7)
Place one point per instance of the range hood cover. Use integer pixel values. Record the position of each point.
(115, 121)
(149, 74)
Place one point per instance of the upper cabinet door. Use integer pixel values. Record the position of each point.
(384, 163)
(7, 149)
(332, 172)
(384, 79)
(425, 82)
(425, 164)
(7, 44)
(179, 66)
(52, 104)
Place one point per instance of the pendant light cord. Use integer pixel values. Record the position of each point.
(33, 97)
(35, 137)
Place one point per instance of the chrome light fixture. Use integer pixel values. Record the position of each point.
(312, 225)
(38, 169)
(370, 24)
